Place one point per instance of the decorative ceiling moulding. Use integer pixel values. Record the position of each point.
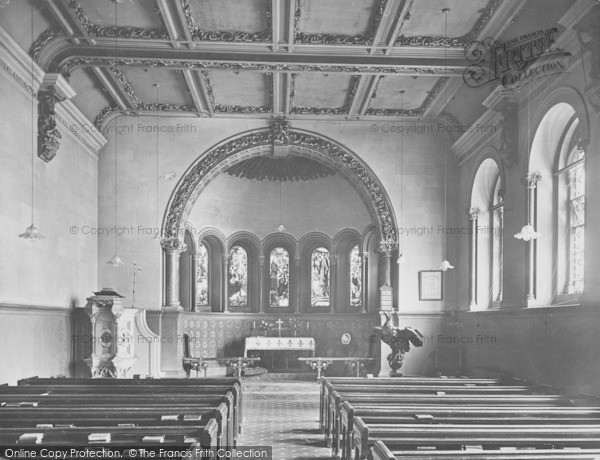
(419, 112)
(16, 64)
(437, 41)
(75, 124)
(219, 108)
(185, 194)
(126, 87)
(40, 43)
(93, 30)
(68, 64)
(339, 39)
(199, 35)
(344, 110)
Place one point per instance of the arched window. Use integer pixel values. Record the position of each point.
(320, 278)
(202, 276)
(487, 239)
(238, 277)
(557, 154)
(575, 177)
(279, 278)
(355, 277)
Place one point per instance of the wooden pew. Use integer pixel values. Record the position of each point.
(205, 436)
(414, 383)
(167, 403)
(454, 437)
(67, 386)
(409, 415)
(26, 417)
(333, 406)
(379, 451)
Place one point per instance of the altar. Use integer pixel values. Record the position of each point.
(279, 344)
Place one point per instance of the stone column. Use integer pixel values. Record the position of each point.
(386, 294)
(364, 257)
(501, 252)
(473, 222)
(298, 276)
(225, 265)
(261, 284)
(530, 181)
(173, 247)
(333, 278)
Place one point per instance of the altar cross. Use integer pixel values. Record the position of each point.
(279, 323)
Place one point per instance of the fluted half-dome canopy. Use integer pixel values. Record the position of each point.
(288, 168)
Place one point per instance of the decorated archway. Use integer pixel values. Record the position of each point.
(262, 142)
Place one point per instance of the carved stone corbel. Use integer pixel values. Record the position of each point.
(509, 135)
(54, 89)
(588, 34)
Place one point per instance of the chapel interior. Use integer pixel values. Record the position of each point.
(262, 194)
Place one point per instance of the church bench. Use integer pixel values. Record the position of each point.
(130, 401)
(458, 437)
(20, 417)
(60, 386)
(103, 382)
(342, 436)
(205, 436)
(379, 451)
(391, 384)
(332, 410)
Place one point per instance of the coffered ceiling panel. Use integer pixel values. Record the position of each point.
(426, 17)
(247, 89)
(336, 16)
(172, 88)
(322, 90)
(230, 15)
(128, 13)
(90, 96)
(388, 93)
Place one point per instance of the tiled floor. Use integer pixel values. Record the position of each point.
(284, 415)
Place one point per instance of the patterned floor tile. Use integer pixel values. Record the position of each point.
(284, 416)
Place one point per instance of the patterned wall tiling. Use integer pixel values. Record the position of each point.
(219, 335)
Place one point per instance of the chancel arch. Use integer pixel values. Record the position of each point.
(300, 144)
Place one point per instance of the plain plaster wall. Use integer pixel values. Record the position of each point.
(41, 280)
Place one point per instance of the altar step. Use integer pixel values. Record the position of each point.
(274, 376)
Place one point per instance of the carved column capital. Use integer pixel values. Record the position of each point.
(531, 179)
(386, 247)
(473, 213)
(173, 245)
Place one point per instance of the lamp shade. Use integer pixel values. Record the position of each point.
(32, 233)
(445, 265)
(115, 261)
(527, 233)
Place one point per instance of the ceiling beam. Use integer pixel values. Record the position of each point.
(359, 97)
(369, 94)
(193, 84)
(69, 23)
(169, 22)
(184, 24)
(104, 54)
(111, 87)
(387, 20)
(400, 18)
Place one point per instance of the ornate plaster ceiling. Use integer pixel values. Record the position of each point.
(294, 59)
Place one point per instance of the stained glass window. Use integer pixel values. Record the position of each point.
(576, 182)
(202, 275)
(238, 277)
(320, 270)
(355, 277)
(279, 282)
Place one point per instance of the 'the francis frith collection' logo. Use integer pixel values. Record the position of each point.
(514, 62)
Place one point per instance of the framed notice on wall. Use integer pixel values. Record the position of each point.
(431, 285)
